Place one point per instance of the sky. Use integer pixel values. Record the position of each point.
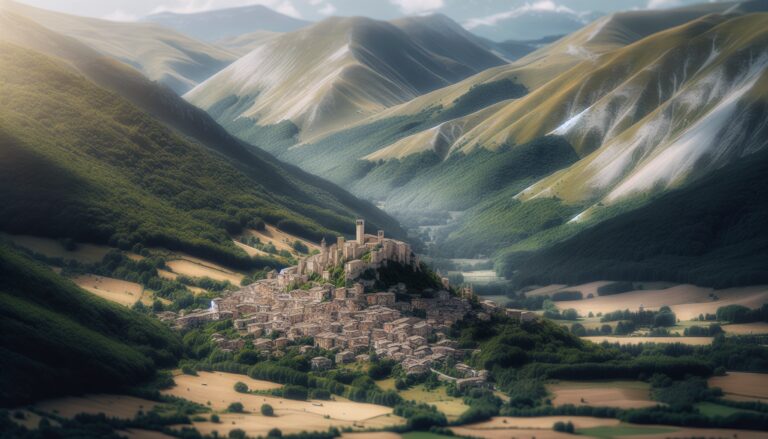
(463, 11)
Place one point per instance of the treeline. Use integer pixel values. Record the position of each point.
(742, 314)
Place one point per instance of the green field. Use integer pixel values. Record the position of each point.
(624, 430)
(713, 409)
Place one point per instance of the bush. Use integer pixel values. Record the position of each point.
(291, 391)
(237, 434)
(564, 427)
(235, 407)
(275, 432)
(562, 296)
(267, 410)
(614, 288)
(215, 419)
(320, 394)
(241, 387)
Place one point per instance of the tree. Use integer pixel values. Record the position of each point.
(241, 387)
(235, 407)
(275, 432)
(570, 314)
(237, 434)
(267, 410)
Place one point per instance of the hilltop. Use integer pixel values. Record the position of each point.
(219, 24)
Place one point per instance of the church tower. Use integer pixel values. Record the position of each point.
(360, 229)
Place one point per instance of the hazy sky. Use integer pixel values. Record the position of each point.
(460, 10)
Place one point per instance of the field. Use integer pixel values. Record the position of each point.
(291, 416)
(693, 341)
(114, 406)
(84, 253)
(197, 268)
(281, 240)
(746, 328)
(452, 407)
(119, 291)
(714, 409)
(625, 430)
(742, 386)
(687, 301)
(504, 427)
(620, 394)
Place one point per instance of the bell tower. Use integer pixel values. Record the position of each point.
(360, 231)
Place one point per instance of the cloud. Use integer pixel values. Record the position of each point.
(661, 4)
(120, 15)
(537, 6)
(327, 9)
(417, 6)
(190, 6)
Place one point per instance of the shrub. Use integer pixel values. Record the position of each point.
(561, 296)
(241, 387)
(215, 418)
(564, 427)
(320, 394)
(614, 288)
(275, 432)
(235, 407)
(237, 434)
(267, 410)
(291, 391)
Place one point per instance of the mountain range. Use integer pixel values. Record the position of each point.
(220, 24)
(591, 125)
(339, 71)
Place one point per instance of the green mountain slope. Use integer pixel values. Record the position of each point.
(163, 55)
(101, 154)
(711, 232)
(56, 339)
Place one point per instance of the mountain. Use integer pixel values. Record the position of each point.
(710, 232)
(527, 22)
(227, 23)
(336, 72)
(58, 339)
(634, 103)
(242, 44)
(101, 153)
(161, 54)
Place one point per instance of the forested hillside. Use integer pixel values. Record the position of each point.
(114, 174)
(57, 339)
(711, 232)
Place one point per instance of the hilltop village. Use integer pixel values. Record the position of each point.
(353, 320)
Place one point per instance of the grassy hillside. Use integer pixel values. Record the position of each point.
(101, 154)
(57, 339)
(711, 232)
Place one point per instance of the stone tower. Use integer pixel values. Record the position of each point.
(360, 231)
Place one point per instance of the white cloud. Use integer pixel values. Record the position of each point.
(120, 15)
(189, 6)
(537, 6)
(661, 4)
(327, 9)
(418, 6)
